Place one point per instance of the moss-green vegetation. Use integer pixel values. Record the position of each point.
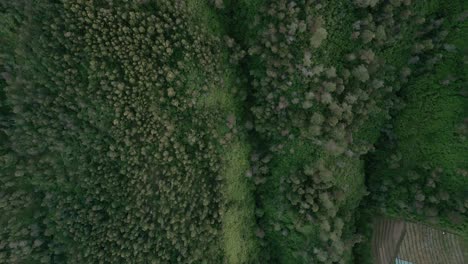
(419, 169)
(240, 243)
(224, 131)
(422, 158)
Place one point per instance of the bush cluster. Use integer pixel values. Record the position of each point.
(298, 97)
(420, 194)
(314, 193)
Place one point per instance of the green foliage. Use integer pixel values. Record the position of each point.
(424, 178)
(142, 131)
(109, 156)
(420, 137)
(309, 103)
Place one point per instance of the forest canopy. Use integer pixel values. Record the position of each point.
(224, 131)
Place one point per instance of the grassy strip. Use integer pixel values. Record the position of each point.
(238, 232)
